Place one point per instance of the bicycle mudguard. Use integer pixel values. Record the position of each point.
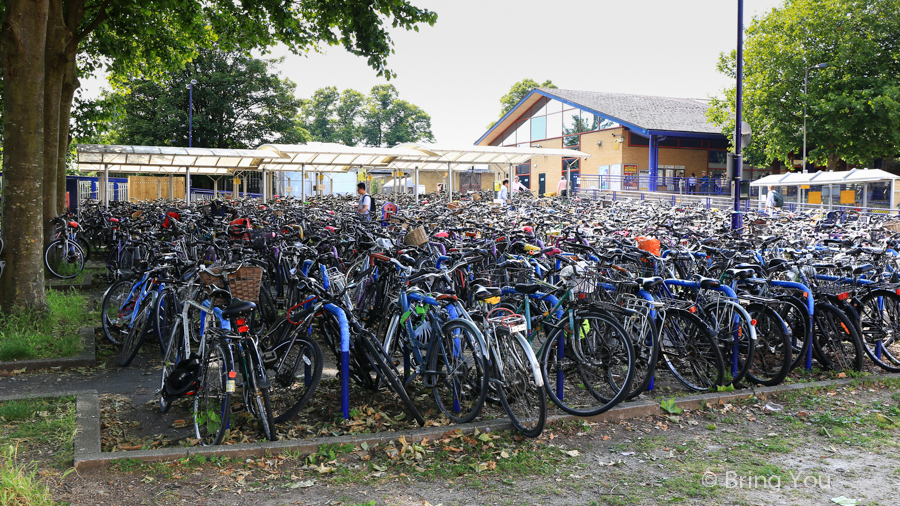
(344, 325)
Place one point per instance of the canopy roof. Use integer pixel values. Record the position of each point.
(331, 157)
(314, 157)
(169, 159)
(854, 176)
(438, 157)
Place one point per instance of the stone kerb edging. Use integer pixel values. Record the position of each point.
(89, 457)
(84, 285)
(87, 357)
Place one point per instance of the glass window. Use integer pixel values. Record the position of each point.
(523, 134)
(554, 106)
(604, 123)
(690, 143)
(523, 169)
(554, 126)
(669, 143)
(589, 122)
(572, 164)
(571, 141)
(637, 140)
(538, 128)
(571, 122)
(718, 159)
(720, 144)
(539, 109)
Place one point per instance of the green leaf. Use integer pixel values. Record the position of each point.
(670, 407)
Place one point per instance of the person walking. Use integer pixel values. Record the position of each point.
(365, 202)
(774, 202)
(562, 187)
(504, 191)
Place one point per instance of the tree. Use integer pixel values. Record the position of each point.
(148, 36)
(853, 105)
(390, 121)
(239, 102)
(381, 119)
(519, 91)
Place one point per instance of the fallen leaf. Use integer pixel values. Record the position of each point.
(573, 453)
(303, 484)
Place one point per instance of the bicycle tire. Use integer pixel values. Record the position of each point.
(521, 396)
(376, 356)
(261, 404)
(646, 354)
(458, 371)
(796, 315)
(690, 351)
(291, 390)
(594, 373)
(880, 328)
(171, 358)
(738, 366)
(772, 358)
(64, 258)
(117, 296)
(212, 401)
(137, 333)
(836, 344)
(85, 246)
(165, 315)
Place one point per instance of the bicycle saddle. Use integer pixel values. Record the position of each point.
(238, 308)
(527, 289)
(739, 273)
(860, 269)
(709, 283)
(648, 283)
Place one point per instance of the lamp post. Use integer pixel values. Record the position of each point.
(805, 79)
(187, 179)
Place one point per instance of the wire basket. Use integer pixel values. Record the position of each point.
(507, 276)
(893, 226)
(337, 281)
(243, 283)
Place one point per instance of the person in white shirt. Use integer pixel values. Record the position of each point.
(504, 191)
(365, 202)
(562, 186)
(517, 186)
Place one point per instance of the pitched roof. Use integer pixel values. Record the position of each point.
(649, 113)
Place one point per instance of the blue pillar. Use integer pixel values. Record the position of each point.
(654, 156)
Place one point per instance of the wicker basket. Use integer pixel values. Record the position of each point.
(454, 205)
(893, 226)
(416, 237)
(476, 196)
(244, 283)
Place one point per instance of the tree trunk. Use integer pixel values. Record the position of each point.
(73, 15)
(54, 73)
(22, 48)
(832, 162)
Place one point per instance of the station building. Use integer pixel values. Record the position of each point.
(635, 141)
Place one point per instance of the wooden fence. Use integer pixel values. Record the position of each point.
(142, 188)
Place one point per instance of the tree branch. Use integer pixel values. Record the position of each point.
(101, 17)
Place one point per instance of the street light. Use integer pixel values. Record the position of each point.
(187, 170)
(805, 78)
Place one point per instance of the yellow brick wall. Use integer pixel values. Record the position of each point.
(693, 160)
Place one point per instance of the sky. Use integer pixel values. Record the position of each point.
(458, 69)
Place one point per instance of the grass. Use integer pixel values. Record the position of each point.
(49, 334)
(18, 483)
(38, 422)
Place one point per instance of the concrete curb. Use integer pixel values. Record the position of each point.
(87, 358)
(94, 459)
(85, 284)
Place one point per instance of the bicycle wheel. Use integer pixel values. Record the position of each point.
(588, 374)
(85, 246)
(690, 351)
(772, 357)
(294, 374)
(734, 337)
(212, 401)
(165, 316)
(64, 258)
(375, 353)
(261, 404)
(795, 314)
(645, 340)
(137, 333)
(115, 312)
(457, 370)
(836, 343)
(879, 312)
(521, 394)
(174, 354)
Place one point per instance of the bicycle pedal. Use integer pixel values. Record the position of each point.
(269, 357)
